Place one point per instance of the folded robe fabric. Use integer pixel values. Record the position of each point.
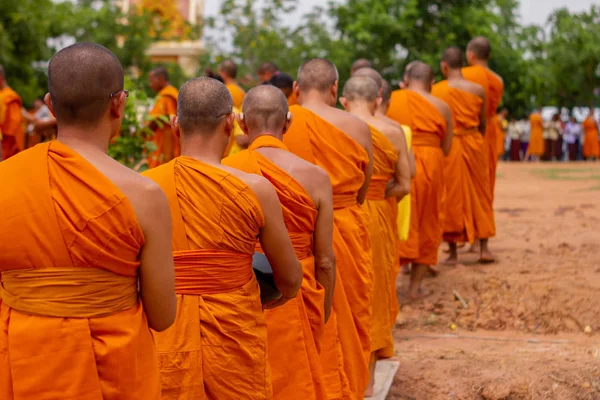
(71, 324)
(319, 142)
(217, 347)
(428, 127)
(294, 331)
(467, 206)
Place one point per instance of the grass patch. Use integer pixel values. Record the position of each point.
(574, 174)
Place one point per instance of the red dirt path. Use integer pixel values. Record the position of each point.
(523, 333)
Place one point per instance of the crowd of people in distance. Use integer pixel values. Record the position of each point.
(559, 138)
(258, 256)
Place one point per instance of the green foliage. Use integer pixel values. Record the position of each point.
(133, 143)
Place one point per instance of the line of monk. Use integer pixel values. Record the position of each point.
(119, 285)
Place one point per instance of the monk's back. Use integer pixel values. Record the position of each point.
(465, 99)
(345, 122)
(217, 346)
(69, 249)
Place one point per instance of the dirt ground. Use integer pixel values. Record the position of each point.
(529, 327)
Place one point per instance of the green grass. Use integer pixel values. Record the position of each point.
(579, 174)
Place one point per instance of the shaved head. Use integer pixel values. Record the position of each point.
(265, 109)
(81, 79)
(267, 67)
(358, 64)
(371, 73)
(317, 74)
(361, 88)
(229, 68)
(160, 72)
(408, 67)
(420, 72)
(480, 47)
(202, 104)
(453, 56)
(386, 92)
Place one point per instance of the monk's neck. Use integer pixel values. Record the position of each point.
(199, 148)
(314, 100)
(455, 74)
(380, 112)
(78, 138)
(479, 63)
(362, 111)
(229, 81)
(252, 136)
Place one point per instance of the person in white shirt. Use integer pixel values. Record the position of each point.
(572, 136)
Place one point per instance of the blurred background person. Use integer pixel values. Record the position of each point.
(514, 130)
(572, 138)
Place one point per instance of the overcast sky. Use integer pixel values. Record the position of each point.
(532, 11)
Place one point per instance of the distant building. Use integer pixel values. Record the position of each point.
(186, 53)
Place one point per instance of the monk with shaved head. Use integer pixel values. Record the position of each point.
(391, 179)
(217, 347)
(167, 145)
(83, 241)
(478, 54)
(358, 64)
(467, 208)
(341, 144)
(295, 330)
(430, 120)
(12, 133)
(266, 71)
(228, 72)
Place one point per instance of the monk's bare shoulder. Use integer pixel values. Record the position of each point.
(259, 185)
(395, 134)
(471, 87)
(146, 196)
(312, 178)
(354, 127)
(441, 106)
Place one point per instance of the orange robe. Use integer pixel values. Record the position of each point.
(494, 89)
(167, 144)
(319, 142)
(536, 137)
(71, 323)
(383, 238)
(467, 209)
(293, 99)
(590, 138)
(216, 349)
(294, 330)
(11, 126)
(428, 128)
(237, 94)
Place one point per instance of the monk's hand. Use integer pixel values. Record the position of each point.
(276, 303)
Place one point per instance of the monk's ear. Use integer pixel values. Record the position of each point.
(344, 102)
(288, 122)
(48, 102)
(229, 121)
(296, 88)
(175, 126)
(334, 89)
(378, 102)
(241, 120)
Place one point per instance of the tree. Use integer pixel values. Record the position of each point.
(573, 56)
(25, 26)
(256, 33)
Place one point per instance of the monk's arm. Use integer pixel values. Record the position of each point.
(447, 140)
(483, 116)
(323, 240)
(400, 185)
(275, 241)
(13, 118)
(157, 275)
(45, 123)
(412, 163)
(367, 143)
